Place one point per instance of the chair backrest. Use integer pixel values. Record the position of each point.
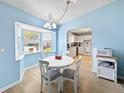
(78, 62)
(43, 66)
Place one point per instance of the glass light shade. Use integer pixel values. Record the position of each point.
(46, 25)
(54, 25)
(49, 25)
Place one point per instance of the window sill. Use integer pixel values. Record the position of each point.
(30, 53)
(19, 58)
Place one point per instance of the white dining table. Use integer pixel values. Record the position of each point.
(59, 63)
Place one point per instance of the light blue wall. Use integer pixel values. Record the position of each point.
(31, 59)
(9, 69)
(107, 26)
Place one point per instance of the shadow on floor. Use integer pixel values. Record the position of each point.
(120, 81)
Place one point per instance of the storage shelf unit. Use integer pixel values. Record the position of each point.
(108, 72)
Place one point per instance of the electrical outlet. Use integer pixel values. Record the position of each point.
(2, 50)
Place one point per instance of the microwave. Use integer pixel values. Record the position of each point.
(104, 52)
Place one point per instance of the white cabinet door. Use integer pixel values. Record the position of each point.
(80, 50)
(72, 51)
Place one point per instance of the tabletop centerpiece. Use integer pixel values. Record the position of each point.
(58, 57)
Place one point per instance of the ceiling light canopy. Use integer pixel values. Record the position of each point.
(52, 22)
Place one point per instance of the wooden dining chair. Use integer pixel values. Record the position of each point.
(72, 75)
(48, 75)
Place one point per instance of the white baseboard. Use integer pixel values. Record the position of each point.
(21, 77)
(22, 74)
(9, 86)
(27, 68)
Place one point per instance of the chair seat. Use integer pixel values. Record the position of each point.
(68, 73)
(53, 75)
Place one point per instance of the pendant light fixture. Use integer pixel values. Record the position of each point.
(52, 22)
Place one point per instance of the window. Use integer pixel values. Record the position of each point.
(46, 42)
(31, 41)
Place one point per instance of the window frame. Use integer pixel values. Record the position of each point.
(19, 50)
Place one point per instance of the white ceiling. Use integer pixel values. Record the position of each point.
(41, 8)
(85, 31)
(81, 30)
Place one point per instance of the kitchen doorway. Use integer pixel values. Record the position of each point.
(79, 42)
